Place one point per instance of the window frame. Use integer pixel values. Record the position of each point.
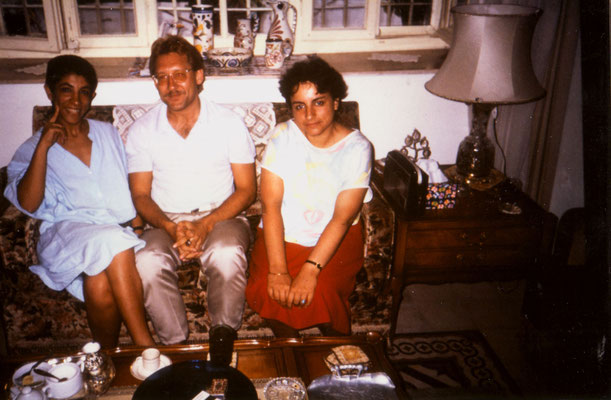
(51, 43)
(436, 18)
(141, 39)
(372, 37)
(309, 33)
(63, 33)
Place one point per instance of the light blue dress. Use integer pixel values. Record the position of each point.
(81, 210)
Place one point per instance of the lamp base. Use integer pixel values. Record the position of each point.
(475, 157)
(493, 178)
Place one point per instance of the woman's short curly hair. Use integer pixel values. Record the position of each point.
(317, 71)
(61, 66)
(175, 44)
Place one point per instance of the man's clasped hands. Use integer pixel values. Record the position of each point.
(190, 236)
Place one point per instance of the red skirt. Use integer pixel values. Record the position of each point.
(335, 284)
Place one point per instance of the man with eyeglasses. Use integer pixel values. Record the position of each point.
(191, 173)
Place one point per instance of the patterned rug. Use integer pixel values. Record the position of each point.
(450, 365)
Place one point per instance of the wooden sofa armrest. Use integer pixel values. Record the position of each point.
(378, 222)
(371, 300)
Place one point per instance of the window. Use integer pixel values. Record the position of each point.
(175, 16)
(106, 18)
(405, 13)
(338, 14)
(372, 25)
(23, 19)
(116, 28)
(28, 24)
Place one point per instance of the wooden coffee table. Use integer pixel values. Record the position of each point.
(263, 359)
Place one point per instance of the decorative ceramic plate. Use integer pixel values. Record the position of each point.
(284, 389)
(31, 379)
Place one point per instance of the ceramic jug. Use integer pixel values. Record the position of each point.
(245, 32)
(203, 28)
(280, 28)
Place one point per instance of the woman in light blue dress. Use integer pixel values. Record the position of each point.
(72, 175)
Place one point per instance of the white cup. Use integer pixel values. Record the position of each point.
(67, 388)
(150, 359)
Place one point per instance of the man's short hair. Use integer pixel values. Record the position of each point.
(61, 66)
(317, 71)
(175, 44)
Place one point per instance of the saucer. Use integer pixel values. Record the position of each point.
(140, 373)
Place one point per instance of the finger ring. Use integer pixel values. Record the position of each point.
(188, 242)
(303, 301)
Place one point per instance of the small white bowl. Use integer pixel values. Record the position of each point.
(69, 387)
(229, 57)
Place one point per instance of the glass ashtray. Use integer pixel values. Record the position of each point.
(284, 389)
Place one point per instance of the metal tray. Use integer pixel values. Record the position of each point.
(367, 386)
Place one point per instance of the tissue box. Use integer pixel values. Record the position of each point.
(441, 195)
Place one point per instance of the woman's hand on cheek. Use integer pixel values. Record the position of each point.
(53, 132)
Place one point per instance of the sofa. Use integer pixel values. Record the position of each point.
(36, 319)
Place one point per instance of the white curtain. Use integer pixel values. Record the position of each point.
(531, 134)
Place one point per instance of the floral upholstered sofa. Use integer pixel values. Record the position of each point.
(38, 319)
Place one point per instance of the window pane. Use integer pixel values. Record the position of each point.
(405, 13)
(338, 14)
(38, 26)
(237, 9)
(177, 20)
(22, 18)
(104, 17)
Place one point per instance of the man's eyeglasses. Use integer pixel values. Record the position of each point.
(178, 76)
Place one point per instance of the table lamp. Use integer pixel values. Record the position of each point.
(488, 64)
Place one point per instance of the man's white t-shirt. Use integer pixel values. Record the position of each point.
(192, 173)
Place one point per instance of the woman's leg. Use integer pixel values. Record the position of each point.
(282, 330)
(113, 295)
(126, 287)
(102, 312)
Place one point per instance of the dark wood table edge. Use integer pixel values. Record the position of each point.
(377, 342)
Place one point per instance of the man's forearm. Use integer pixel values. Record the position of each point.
(234, 205)
(151, 213)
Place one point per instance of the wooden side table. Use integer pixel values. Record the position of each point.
(474, 241)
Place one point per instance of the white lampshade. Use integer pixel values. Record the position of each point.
(489, 60)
